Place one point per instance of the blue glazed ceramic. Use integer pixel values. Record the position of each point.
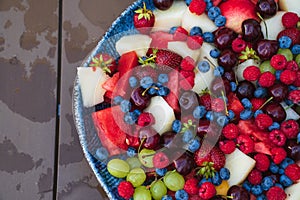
(123, 25)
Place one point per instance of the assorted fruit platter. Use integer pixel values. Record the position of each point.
(195, 99)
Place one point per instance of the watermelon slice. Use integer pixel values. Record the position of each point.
(111, 83)
(111, 129)
(172, 98)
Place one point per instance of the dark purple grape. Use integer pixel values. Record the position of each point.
(188, 100)
(275, 111)
(149, 137)
(251, 30)
(266, 8)
(278, 91)
(245, 89)
(293, 150)
(224, 37)
(184, 164)
(203, 128)
(266, 49)
(170, 139)
(220, 85)
(228, 59)
(163, 4)
(140, 99)
(238, 193)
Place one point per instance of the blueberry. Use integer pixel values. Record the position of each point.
(176, 126)
(214, 53)
(167, 197)
(131, 152)
(298, 138)
(292, 87)
(246, 103)
(209, 116)
(196, 30)
(129, 118)
(258, 112)
(219, 71)
(260, 92)
(161, 172)
(274, 168)
(163, 91)
(188, 2)
(261, 197)
(281, 171)
(285, 42)
(102, 153)
(204, 180)
(233, 86)
(209, 4)
(194, 145)
(173, 29)
(213, 13)
(199, 112)
(256, 190)
(163, 78)
(285, 180)
(222, 120)
(286, 162)
(152, 91)
(296, 49)
(246, 114)
(146, 82)
(133, 81)
(279, 185)
(208, 37)
(231, 114)
(267, 183)
(181, 195)
(220, 21)
(117, 100)
(102, 106)
(247, 185)
(277, 74)
(216, 179)
(187, 136)
(203, 66)
(274, 126)
(125, 106)
(224, 173)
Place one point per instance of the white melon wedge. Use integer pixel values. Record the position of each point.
(290, 5)
(293, 192)
(239, 165)
(239, 70)
(164, 20)
(182, 49)
(90, 81)
(290, 112)
(204, 80)
(189, 20)
(274, 26)
(138, 42)
(163, 114)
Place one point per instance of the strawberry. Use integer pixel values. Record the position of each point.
(168, 58)
(202, 156)
(197, 7)
(205, 100)
(293, 33)
(180, 34)
(105, 62)
(218, 158)
(111, 129)
(143, 20)
(160, 39)
(111, 83)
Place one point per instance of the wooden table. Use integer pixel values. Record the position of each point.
(41, 44)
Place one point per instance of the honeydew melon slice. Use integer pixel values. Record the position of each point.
(138, 42)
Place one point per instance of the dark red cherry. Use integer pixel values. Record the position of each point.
(140, 99)
(184, 164)
(266, 8)
(251, 30)
(149, 137)
(275, 111)
(228, 59)
(245, 89)
(293, 150)
(163, 4)
(278, 91)
(224, 37)
(265, 49)
(238, 193)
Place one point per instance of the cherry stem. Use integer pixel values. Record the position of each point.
(288, 107)
(226, 109)
(262, 19)
(270, 99)
(142, 141)
(206, 58)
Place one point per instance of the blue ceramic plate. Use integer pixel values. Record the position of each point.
(82, 116)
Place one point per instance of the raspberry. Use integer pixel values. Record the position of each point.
(255, 177)
(180, 34)
(197, 6)
(160, 160)
(293, 172)
(191, 186)
(276, 193)
(187, 64)
(278, 62)
(278, 154)
(246, 144)
(238, 45)
(227, 146)
(290, 128)
(263, 121)
(289, 20)
(288, 77)
(230, 131)
(294, 96)
(292, 65)
(262, 162)
(257, 103)
(207, 190)
(126, 189)
(217, 105)
(251, 73)
(146, 119)
(194, 42)
(267, 79)
(297, 81)
(277, 137)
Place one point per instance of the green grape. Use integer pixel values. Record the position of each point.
(297, 59)
(287, 53)
(133, 162)
(146, 157)
(141, 193)
(174, 181)
(136, 177)
(158, 190)
(118, 168)
(266, 66)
